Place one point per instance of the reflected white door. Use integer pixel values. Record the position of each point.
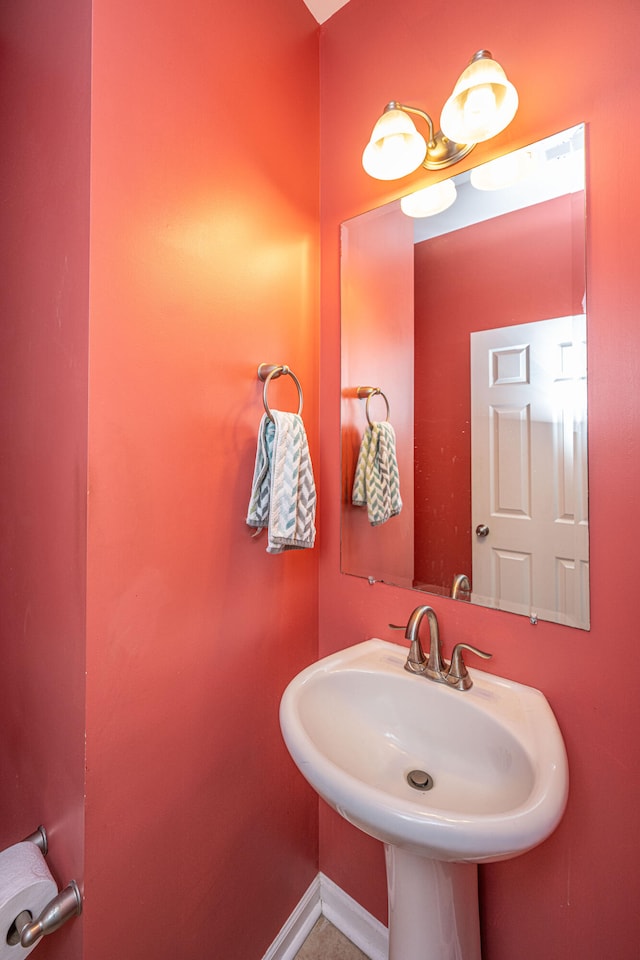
(529, 469)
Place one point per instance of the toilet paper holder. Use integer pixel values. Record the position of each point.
(64, 906)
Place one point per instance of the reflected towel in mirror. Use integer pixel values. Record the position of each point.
(376, 484)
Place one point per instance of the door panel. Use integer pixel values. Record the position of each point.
(529, 469)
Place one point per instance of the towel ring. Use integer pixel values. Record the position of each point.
(367, 393)
(271, 371)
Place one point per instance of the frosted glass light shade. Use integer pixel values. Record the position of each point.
(395, 149)
(430, 200)
(482, 104)
(503, 171)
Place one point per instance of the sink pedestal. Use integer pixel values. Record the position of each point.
(433, 908)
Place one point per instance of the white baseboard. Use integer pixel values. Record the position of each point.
(345, 913)
(324, 897)
(298, 926)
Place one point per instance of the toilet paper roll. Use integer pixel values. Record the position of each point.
(25, 884)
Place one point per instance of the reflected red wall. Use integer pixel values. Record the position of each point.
(524, 266)
(572, 894)
(378, 311)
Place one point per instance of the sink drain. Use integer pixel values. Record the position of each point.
(420, 780)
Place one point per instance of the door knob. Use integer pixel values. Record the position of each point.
(482, 530)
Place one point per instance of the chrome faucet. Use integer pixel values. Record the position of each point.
(417, 662)
(434, 667)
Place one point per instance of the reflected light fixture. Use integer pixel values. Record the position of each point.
(504, 171)
(430, 200)
(482, 104)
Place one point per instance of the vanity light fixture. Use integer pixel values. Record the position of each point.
(482, 104)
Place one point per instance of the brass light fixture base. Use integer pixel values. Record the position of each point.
(443, 153)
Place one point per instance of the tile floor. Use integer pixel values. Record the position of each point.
(326, 943)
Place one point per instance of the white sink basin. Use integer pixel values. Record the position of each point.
(356, 723)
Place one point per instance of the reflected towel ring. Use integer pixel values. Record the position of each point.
(271, 371)
(367, 393)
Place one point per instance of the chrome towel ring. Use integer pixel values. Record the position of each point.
(367, 393)
(271, 371)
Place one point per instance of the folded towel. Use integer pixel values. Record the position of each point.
(376, 483)
(283, 495)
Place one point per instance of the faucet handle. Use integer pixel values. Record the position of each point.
(458, 675)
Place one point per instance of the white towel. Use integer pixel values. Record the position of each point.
(376, 484)
(283, 494)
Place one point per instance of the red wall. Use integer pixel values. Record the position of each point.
(204, 262)
(577, 893)
(144, 336)
(44, 229)
(544, 279)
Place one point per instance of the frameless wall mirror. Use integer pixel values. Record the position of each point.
(471, 324)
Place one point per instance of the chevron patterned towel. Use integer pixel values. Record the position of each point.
(283, 494)
(376, 483)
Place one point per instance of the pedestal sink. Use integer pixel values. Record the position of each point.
(446, 779)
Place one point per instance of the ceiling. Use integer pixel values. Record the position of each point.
(323, 9)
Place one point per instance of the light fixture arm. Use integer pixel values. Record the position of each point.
(394, 105)
(441, 152)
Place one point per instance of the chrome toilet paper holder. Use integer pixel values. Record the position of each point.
(64, 906)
